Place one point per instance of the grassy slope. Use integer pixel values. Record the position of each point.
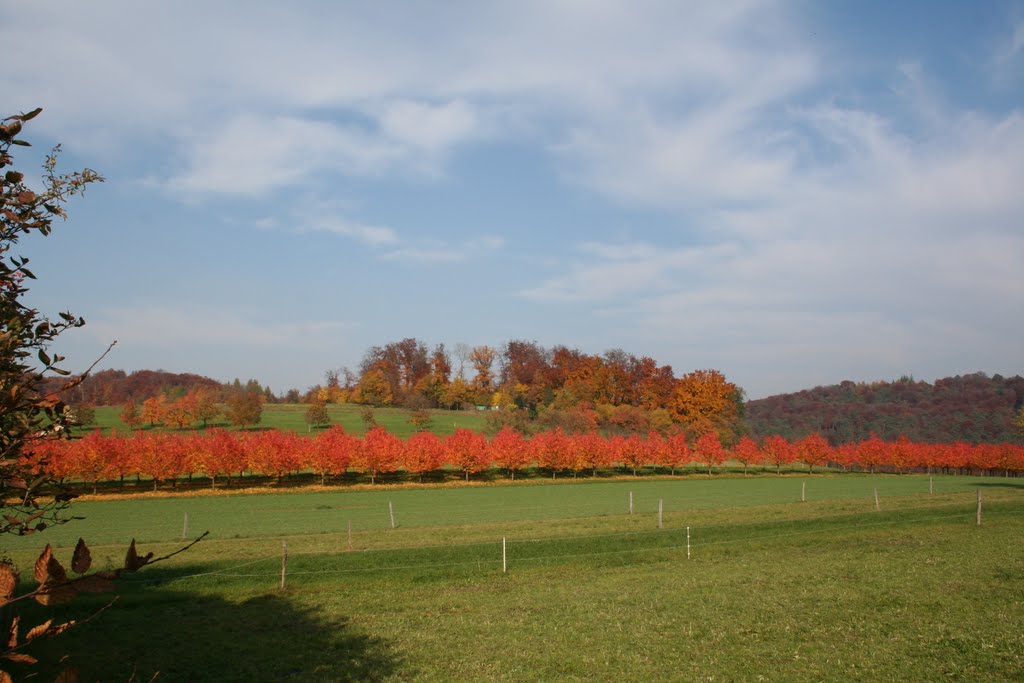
(349, 416)
(776, 590)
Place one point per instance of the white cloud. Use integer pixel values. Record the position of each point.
(252, 155)
(436, 252)
(375, 236)
(427, 126)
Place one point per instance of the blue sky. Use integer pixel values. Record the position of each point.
(794, 193)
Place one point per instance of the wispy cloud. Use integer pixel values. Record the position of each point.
(455, 252)
(373, 235)
(165, 327)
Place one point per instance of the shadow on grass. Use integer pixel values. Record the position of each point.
(185, 636)
(999, 484)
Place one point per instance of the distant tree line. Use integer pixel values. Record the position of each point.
(526, 383)
(975, 408)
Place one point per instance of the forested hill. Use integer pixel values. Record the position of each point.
(975, 408)
(117, 387)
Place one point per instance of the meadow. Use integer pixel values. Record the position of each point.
(743, 581)
(293, 417)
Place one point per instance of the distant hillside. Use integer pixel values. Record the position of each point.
(116, 387)
(974, 408)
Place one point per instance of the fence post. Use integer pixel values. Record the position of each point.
(979, 507)
(659, 512)
(931, 486)
(630, 502)
(803, 492)
(687, 542)
(504, 557)
(391, 511)
(350, 535)
(284, 561)
(877, 508)
(184, 529)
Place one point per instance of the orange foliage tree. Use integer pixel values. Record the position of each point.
(704, 401)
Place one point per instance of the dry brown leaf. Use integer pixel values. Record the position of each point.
(131, 558)
(8, 581)
(41, 572)
(60, 628)
(132, 561)
(38, 630)
(55, 571)
(5, 677)
(12, 639)
(82, 559)
(20, 657)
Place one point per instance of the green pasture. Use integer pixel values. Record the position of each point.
(293, 417)
(774, 589)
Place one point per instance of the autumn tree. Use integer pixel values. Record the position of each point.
(316, 415)
(813, 450)
(29, 415)
(422, 452)
(83, 414)
(130, 415)
(420, 420)
(747, 452)
(482, 358)
(205, 405)
(778, 451)
(153, 409)
(709, 450)
(374, 389)
(704, 401)
(180, 412)
(32, 415)
(467, 450)
(245, 408)
(508, 449)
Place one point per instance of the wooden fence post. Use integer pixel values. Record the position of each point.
(877, 508)
(979, 507)
(659, 512)
(284, 561)
(391, 511)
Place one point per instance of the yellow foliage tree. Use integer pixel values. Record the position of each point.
(704, 401)
(375, 389)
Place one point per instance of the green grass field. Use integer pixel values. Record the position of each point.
(775, 589)
(349, 416)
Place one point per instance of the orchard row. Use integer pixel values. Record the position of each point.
(220, 454)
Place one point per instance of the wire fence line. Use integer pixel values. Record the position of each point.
(638, 514)
(697, 542)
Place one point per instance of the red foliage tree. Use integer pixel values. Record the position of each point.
(748, 452)
(423, 452)
(467, 450)
(509, 450)
(813, 450)
(634, 452)
(709, 450)
(778, 451)
(378, 452)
